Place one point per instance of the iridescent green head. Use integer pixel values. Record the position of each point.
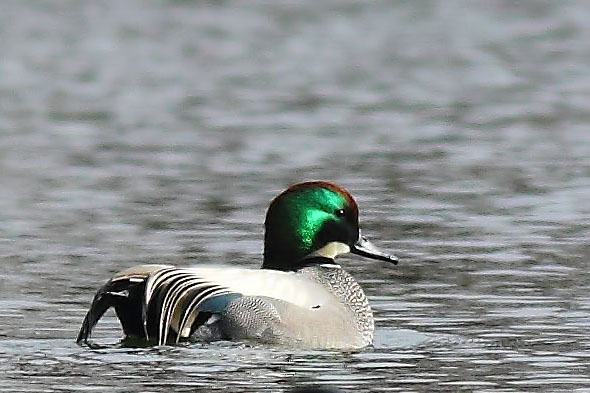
(313, 221)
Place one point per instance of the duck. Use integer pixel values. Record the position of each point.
(300, 297)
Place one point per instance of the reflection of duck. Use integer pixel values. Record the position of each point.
(300, 296)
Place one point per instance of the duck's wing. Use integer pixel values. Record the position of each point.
(161, 302)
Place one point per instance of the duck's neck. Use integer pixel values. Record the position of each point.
(281, 252)
(287, 264)
(278, 261)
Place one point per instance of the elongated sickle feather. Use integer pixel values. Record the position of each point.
(172, 301)
(154, 281)
(181, 286)
(157, 303)
(196, 302)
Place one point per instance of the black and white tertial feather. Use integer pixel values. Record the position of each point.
(174, 297)
(170, 300)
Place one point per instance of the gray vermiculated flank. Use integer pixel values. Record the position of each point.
(347, 322)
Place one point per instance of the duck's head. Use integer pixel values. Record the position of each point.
(313, 222)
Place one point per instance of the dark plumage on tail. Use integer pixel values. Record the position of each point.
(125, 295)
(158, 303)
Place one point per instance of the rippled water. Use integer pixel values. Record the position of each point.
(157, 131)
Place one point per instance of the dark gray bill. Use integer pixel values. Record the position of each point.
(365, 248)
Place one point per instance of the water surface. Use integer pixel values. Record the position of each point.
(158, 131)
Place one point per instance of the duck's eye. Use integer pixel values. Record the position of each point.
(340, 212)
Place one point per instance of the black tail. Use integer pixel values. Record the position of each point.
(125, 294)
(158, 303)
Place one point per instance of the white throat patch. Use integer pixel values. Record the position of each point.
(332, 249)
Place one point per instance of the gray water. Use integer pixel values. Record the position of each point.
(157, 131)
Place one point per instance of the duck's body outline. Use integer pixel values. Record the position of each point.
(301, 297)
